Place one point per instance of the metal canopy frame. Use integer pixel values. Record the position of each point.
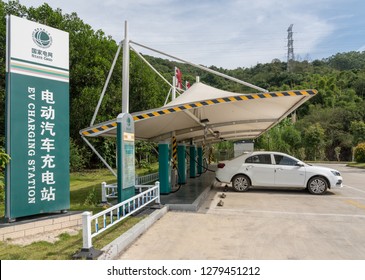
(200, 129)
(208, 129)
(127, 45)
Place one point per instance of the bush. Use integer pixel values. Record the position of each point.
(2, 193)
(79, 157)
(92, 198)
(4, 159)
(360, 153)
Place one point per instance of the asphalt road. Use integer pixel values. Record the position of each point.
(264, 224)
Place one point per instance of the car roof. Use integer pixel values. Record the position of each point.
(246, 155)
(265, 152)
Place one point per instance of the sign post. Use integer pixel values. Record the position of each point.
(125, 134)
(37, 119)
(126, 157)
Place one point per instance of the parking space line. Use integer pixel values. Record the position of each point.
(355, 203)
(235, 211)
(306, 196)
(356, 189)
(348, 197)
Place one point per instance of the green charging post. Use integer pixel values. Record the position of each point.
(125, 156)
(181, 163)
(164, 167)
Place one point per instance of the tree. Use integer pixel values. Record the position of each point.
(360, 153)
(314, 141)
(2, 67)
(347, 61)
(144, 153)
(4, 159)
(358, 131)
(292, 137)
(338, 108)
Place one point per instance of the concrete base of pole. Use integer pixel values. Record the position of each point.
(88, 254)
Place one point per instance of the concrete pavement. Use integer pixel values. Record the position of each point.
(264, 224)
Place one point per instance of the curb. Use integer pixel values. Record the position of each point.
(113, 249)
(191, 207)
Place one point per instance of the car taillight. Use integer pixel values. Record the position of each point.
(221, 165)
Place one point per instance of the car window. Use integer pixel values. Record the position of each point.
(259, 159)
(283, 160)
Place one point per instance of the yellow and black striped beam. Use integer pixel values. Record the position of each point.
(96, 130)
(100, 129)
(174, 152)
(203, 147)
(230, 99)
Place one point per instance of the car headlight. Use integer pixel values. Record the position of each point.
(336, 173)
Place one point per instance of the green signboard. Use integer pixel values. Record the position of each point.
(37, 126)
(126, 156)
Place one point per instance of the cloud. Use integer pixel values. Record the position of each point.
(229, 34)
(361, 49)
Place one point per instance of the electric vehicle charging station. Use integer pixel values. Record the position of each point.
(181, 163)
(169, 175)
(192, 161)
(165, 166)
(200, 160)
(198, 115)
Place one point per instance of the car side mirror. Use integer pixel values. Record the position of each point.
(300, 164)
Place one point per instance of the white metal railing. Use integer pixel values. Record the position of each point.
(113, 215)
(142, 180)
(108, 191)
(111, 190)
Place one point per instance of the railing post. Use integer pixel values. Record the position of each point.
(86, 230)
(158, 192)
(128, 207)
(103, 192)
(87, 251)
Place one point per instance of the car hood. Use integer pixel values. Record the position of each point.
(319, 168)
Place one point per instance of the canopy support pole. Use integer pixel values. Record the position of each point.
(203, 68)
(106, 84)
(125, 74)
(149, 64)
(99, 156)
(173, 92)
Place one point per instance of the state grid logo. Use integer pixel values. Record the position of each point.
(42, 38)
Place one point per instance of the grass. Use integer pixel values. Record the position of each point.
(65, 248)
(349, 164)
(85, 194)
(357, 165)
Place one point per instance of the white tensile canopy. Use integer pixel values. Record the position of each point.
(204, 113)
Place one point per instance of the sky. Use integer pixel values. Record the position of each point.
(227, 33)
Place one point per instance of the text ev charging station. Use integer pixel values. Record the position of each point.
(37, 119)
(199, 116)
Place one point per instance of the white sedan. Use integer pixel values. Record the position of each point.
(279, 170)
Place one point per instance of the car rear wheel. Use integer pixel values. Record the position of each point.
(317, 185)
(240, 183)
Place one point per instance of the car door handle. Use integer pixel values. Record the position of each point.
(249, 167)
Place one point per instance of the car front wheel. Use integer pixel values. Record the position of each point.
(317, 185)
(240, 183)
